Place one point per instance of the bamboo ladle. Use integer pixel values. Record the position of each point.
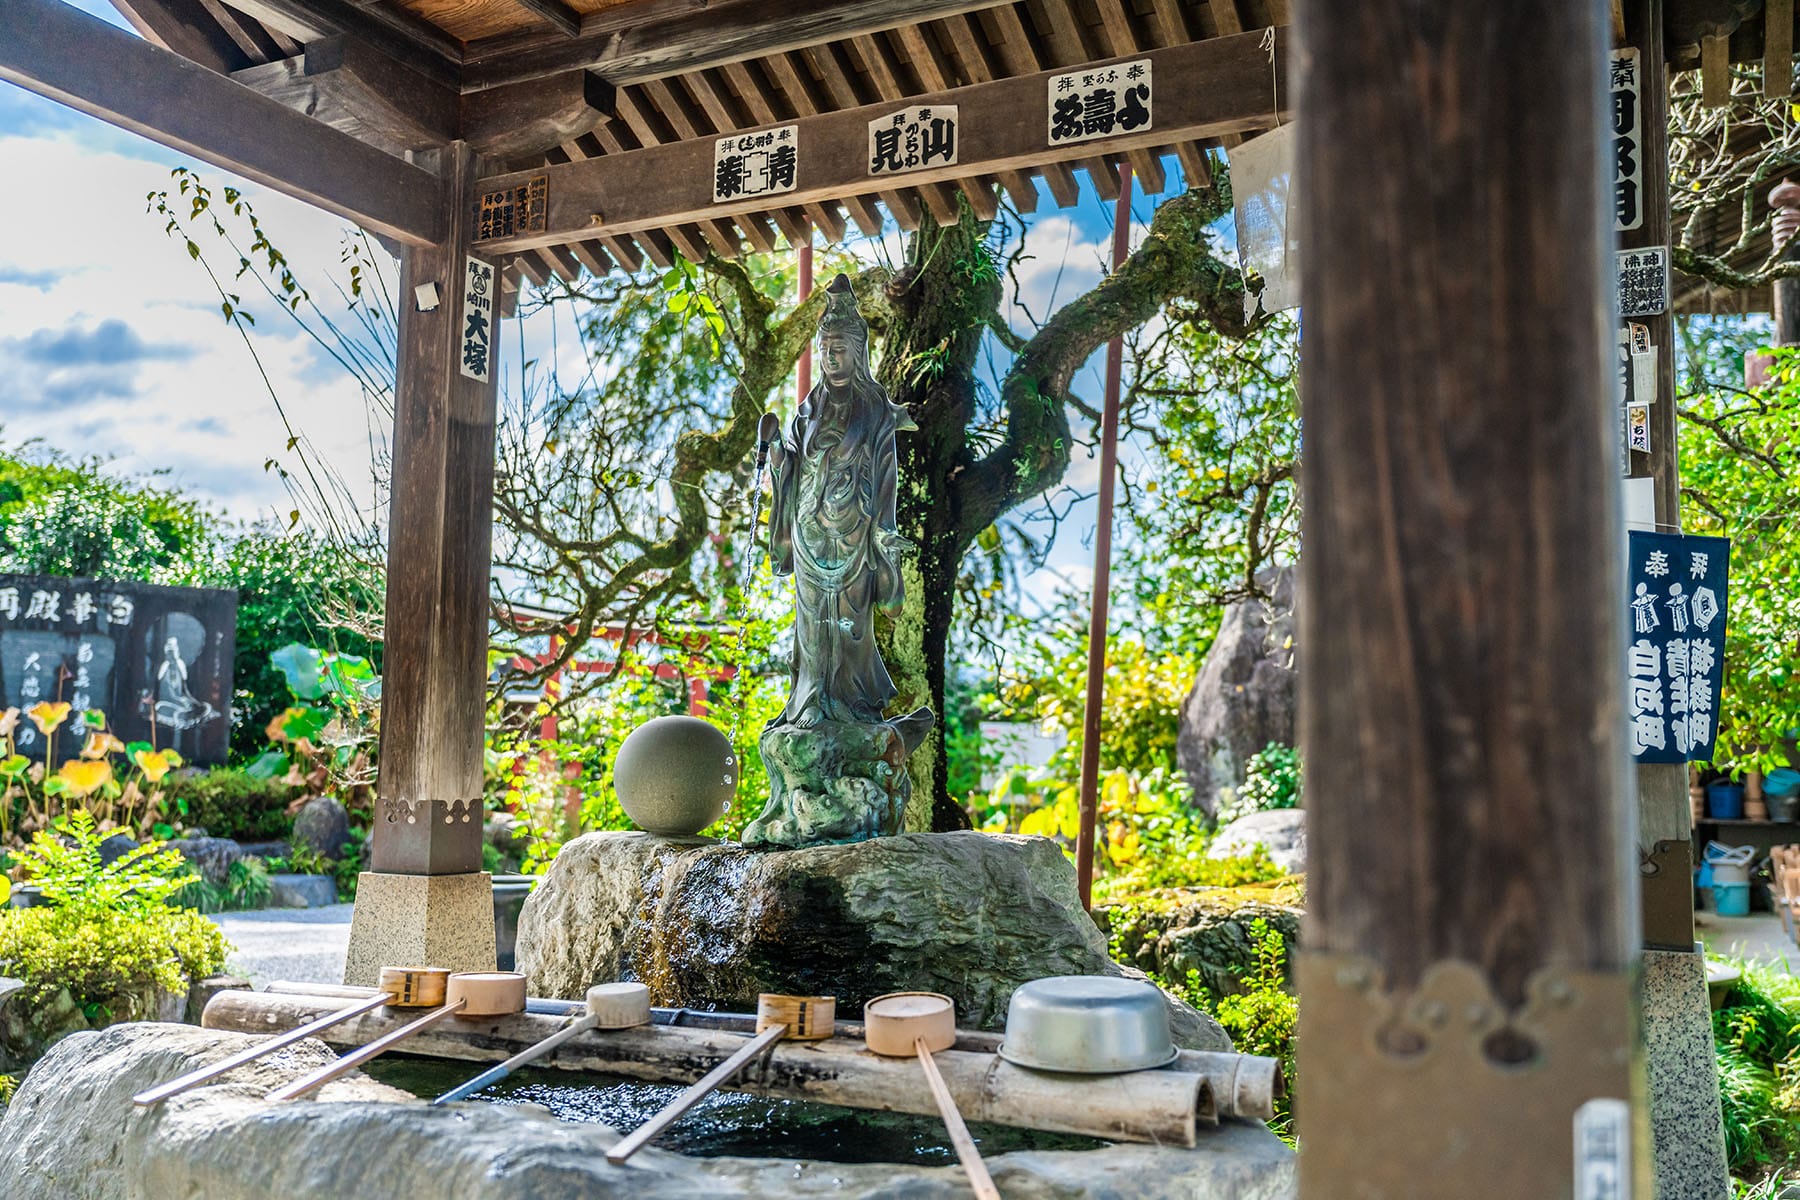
(468, 994)
(905, 1024)
(609, 1006)
(796, 1018)
(401, 987)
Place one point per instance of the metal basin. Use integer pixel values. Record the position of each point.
(1088, 1025)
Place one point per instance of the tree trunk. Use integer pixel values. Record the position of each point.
(940, 303)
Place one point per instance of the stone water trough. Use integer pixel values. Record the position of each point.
(706, 925)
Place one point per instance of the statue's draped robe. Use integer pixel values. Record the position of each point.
(832, 528)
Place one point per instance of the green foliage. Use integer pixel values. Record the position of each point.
(1740, 477)
(233, 803)
(1146, 836)
(1757, 1034)
(1046, 682)
(1271, 780)
(72, 876)
(1263, 1019)
(68, 516)
(108, 933)
(114, 962)
(9, 1087)
(246, 886)
(1221, 419)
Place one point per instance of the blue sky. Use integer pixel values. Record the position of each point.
(112, 344)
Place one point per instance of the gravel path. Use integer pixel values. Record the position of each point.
(305, 945)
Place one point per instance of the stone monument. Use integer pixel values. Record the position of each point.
(836, 761)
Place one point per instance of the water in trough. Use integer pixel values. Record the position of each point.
(726, 1123)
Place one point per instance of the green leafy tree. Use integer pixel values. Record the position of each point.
(1740, 478)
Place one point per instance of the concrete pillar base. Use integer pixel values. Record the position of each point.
(1687, 1134)
(420, 921)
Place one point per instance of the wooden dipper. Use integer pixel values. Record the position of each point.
(905, 1024)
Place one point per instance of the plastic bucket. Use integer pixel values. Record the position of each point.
(1725, 801)
(1731, 899)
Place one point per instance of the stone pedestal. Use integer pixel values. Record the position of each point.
(420, 921)
(1687, 1134)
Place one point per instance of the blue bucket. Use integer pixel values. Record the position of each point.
(1731, 899)
(1725, 801)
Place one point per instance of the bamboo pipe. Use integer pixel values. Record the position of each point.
(1244, 1086)
(354, 1059)
(1162, 1106)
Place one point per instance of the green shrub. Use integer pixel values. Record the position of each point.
(8, 1087)
(108, 933)
(112, 963)
(73, 878)
(1757, 1034)
(232, 804)
(1272, 778)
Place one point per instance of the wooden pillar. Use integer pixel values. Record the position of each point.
(1472, 907)
(1665, 823)
(425, 894)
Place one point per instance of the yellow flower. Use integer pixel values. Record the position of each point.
(99, 745)
(47, 716)
(153, 763)
(83, 777)
(8, 720)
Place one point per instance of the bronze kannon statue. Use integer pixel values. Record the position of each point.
(836, 762)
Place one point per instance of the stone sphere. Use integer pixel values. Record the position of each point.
(675, 775)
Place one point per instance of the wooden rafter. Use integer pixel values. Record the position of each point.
(395, 32)
(671, 185)
(55, 50)
(626, 44)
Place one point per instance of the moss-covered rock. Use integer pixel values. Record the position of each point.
(1207, 931)
(711, 924)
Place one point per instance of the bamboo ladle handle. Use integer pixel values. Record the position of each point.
(979, 1179)
(720, 1074)
(194, 1079)
(354, 1059)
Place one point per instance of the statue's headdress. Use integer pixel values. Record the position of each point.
(841, 315)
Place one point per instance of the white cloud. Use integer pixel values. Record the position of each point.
(112, 341)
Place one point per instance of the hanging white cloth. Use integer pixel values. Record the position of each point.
(1266, 241)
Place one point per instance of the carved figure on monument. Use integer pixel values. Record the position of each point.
(836, 762)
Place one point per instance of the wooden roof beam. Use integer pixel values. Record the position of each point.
(564, 18)
(353, 89)
(185, 28)
(665, 186)
(634, 42)
(58, 51)
(511, 122)
(401, 35)
(971, 49)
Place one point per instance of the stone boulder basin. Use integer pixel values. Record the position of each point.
(710, 925)
(72, 1133)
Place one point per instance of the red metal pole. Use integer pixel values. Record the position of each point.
(1109, 469)
(805, 291)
